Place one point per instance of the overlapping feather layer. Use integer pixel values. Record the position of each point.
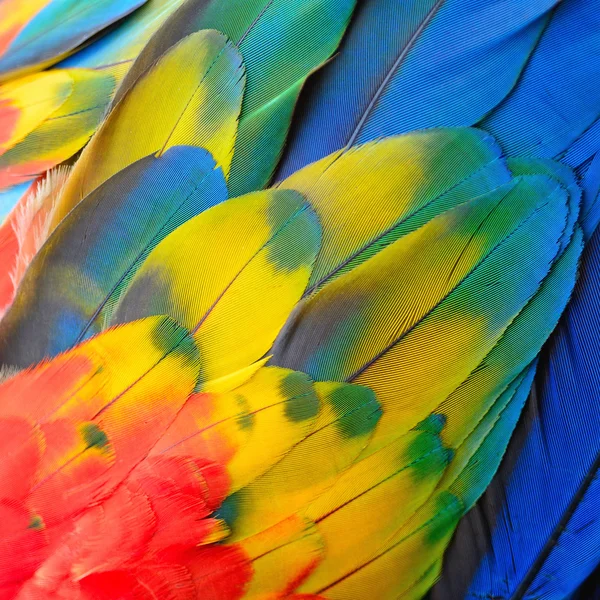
(296, 392)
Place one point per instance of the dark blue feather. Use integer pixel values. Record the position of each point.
(557, 98)
(590, 201)
(411, 65)
(536, 531)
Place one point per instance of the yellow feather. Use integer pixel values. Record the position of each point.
(281, 556)
(231, 428)
(231, 276)
(399, 183)
(32, 99)
(191, 96)
(62, 133)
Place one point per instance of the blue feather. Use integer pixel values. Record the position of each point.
(536, 531)
(121, 44)
(558, 97)
(590, 205)
(536, 534)
(74, 282)
(412, 65)
(584, 148)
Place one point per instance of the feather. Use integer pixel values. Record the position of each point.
(87, 386)
(118, 47)
(562, 174)
(409, 540)
(10, 198)
(590, 206)
(9, 248)
(535, 531)
(345, 421)
(417, 176)
(33, 216)
(191, 96)
(355, 342)
(283, 486)
(556, 99)
(300, 392)
(15, 16)
(341, 355)
(234, 304)
(307, 34)
(131, 523)
(418, 65)
(562, 120)
(27, 102)
(230, 428)
(584, 148)
(85, 419)
(26, 229)
(74, 282)
(62, 132)
(37, 34)
(97, 400)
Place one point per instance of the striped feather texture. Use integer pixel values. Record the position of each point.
(38, 33)
(276, 66)
(417, 176)
(233, 303)
(192, 96)
(536, 531)
(26, 229)
(44, 136)
(301, 392)
(495, 556)
(482, 404)
(417, 390)
(74, 282)
(414, 65)
(26, 103)
(555, 100)
(590, 207)
(116, 50)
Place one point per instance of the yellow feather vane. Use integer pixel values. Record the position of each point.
(191, 96)
(236, 301)
(68, 107)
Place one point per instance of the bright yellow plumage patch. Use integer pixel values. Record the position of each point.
(234, 306)
(409, 179)
(64, 131)
(191, 96)
(27, 102)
